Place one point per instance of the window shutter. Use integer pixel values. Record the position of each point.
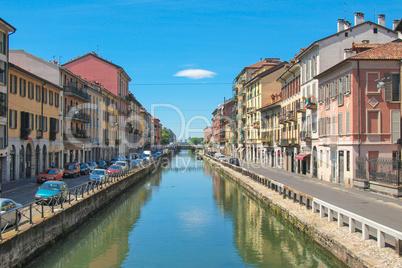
(347, 122)
(388, 87)
(340, 124)
(396, 126)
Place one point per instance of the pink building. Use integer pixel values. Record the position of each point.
(96, 69)
(207, 133)
(359, 116)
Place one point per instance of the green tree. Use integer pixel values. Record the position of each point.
(166, 137)
(195, 141)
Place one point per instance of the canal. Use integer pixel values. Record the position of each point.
(185, 215)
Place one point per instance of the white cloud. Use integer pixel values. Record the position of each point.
(196, 74)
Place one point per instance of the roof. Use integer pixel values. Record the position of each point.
(271, 105)
(95, 55)
(267, 72)
(341, 32)
(9, 26)
(360, 46)
(387, 51)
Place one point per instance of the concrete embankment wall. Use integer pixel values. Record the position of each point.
(277, 205)
(21, 248)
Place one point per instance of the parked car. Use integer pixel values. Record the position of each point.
(85, 169)
(51, 192)
(93, 166)
(72, 170)
(123, 164)
(114, 170)
(8, 216)
(234, 161)
(134, 163)
(50, 174)
(102, 164)
(222, 158)
(97, 175)
(146, 155)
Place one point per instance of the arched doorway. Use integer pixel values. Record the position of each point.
(44, 153)
(22, 163)
(315, 162)
(37, 157)
(12, 163)
(28, 161)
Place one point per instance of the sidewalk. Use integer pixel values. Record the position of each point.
(10, 186)
(379, 208)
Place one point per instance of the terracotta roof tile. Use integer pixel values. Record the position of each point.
(388, 51)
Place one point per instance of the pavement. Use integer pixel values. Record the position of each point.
(382, 209)
(7, 187)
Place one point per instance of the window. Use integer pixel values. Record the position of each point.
(333, 90)
(2, 72)
(23, 87)
(38, 91)
(44, 99)
(375, 30)
(373, 121)
(340, 92)
(3, 43)
(45, 124)
(321, 94)
(347, 131)
(56, 99)
(347, 160)
(13, 84)
(392, 85)
(333, 124)
(314, 121)
(327, 126)
(346, 34)
(327, 97)
(30, 90)
(395, 125)
(13, 119)
(347, 84)
(372, 79)
(50, 97)
(340, 123)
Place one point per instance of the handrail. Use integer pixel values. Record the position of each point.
(49, 206)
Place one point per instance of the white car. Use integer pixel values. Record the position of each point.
(222, 158)
(123, 164)
(97, 175)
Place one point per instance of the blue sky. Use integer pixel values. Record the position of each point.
(155, 40)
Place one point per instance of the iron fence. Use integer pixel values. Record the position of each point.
(384, 170)
(43, 208)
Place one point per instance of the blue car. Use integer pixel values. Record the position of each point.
(52, 192)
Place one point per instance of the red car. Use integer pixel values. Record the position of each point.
(114, 170)
(50, 174)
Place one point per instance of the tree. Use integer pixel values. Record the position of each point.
(166, 137)
(195, 141)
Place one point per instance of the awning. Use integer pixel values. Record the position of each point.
(301, 156)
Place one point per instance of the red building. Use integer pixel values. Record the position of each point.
(94, 68)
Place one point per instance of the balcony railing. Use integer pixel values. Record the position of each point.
(305, 135)
(283, 142)
(76, 133)
(2, 143)
(290, 116)
(311, 102)
(73, 90)
(282, 119)
(300, 107)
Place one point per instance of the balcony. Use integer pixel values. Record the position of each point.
(251, 110)
(283, 142)
(311, 102)
(75, 114)
(282, 119)
(76, 134)
(53, 134)
(117, 142)
(107, 142)
(74, 91)
(242, 79)
(300, 108)
(3, 105)
(242, 92)
(305, 135)
(293, 141)
(290, 116)
(24, 133)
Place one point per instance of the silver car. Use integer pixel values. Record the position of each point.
(8, 215)
(97, 175)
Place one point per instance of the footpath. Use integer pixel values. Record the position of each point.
(351, 248)
(376, 207)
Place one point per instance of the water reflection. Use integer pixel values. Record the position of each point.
(259, 237)
(194, 217)
(103, 240)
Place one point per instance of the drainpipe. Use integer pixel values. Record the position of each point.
(358, 105)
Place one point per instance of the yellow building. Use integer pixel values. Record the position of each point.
(34, 123)
(110, 125)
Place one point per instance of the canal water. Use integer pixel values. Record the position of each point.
(185, 215)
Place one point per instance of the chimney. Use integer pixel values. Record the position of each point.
(347, 24)
(359, 18)
(381, 19)
(395, 24)
(341, 25)
(348, 53)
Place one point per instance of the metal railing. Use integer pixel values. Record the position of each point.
(32, 213)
